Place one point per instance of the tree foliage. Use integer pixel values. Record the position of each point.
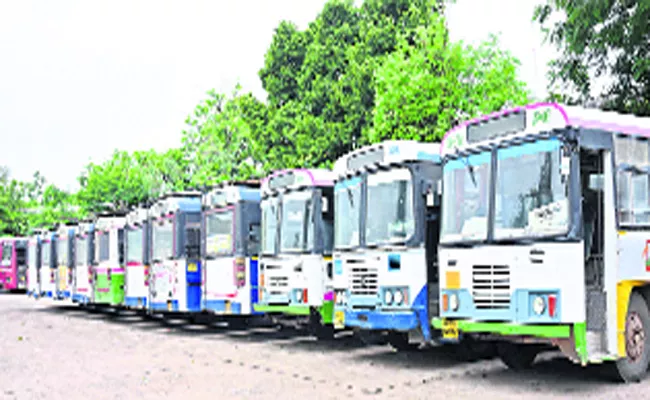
(607, 39)
(425, 88)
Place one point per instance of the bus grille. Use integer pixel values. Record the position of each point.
(363, 280)
(277, 282)
(491, 286)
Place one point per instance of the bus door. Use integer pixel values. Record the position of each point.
(592, 186)
(192, 244)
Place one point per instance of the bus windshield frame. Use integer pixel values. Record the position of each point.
(524, 209)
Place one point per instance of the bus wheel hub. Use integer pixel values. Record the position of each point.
(635, 336)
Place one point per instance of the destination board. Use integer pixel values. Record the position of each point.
(507, 124)
(361, 160)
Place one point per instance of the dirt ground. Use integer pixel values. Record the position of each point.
(52, 350)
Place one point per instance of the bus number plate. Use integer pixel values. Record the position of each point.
(191, 267)
(339, 319)
(449, 329)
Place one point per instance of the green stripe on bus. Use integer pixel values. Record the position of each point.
(292, 310)
(507, 329)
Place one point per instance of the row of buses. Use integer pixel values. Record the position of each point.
(523, 230)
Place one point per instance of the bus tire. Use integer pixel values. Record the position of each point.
(324, 332)
(634, 366)
(517, 357)
(400, 341)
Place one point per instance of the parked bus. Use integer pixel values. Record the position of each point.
(65, 261)
(546, 234)
(231, 241)
(13, 264)
(108, 271)
(48, 263)
(138, 237)
(386, 237)
(33, 265)
(175, 278)
(296, 255)
(84, 258)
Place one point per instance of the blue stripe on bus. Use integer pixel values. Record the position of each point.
(254, 281)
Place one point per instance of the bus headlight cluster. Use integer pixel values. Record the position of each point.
(340, 297)
(539, 305)
(395, 296)
(454, 302)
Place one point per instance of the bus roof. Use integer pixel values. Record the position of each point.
(230, 194)
(65, 229)
(536, 118)
(137, 216)
(108, 223)
(386, 153)
(174, 202)
(297, 178)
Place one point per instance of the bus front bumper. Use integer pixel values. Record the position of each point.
(379, 320)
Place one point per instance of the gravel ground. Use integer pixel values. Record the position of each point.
(56, 350)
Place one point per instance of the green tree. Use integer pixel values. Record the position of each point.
(217, 143)
(128, 179)
(425, 88)
(320, 82)
(606, 39)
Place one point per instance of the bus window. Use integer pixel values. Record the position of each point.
(6, 253)
(103, 247)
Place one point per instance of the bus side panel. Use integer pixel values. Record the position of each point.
(193, 270)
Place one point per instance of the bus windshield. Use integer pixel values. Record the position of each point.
(348, 213)
(45, 254)
(7, 249)
(219, 231)
(389, 214)
(62, 251)
(134, 251)
(163, 240)
(465, 198)
(31, 255)
(531, 192)
(81, 253)
(296, 221)
(270, 208)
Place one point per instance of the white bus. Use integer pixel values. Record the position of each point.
(84, 258)
(545, 235)
(136, 277)
(175, 276)
(231, 242)
(386, 237)
(296, 255)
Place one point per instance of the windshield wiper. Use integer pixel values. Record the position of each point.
(470, 169)
(350, 196)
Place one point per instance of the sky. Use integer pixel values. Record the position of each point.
(79, 79)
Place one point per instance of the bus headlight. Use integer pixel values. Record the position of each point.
(399, 297)
(539, 305)
(298, 295)
(388, 297)
(454, 302)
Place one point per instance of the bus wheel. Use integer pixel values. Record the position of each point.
(633, 367)
(517, 356)
(323, 332)
(400, 341)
